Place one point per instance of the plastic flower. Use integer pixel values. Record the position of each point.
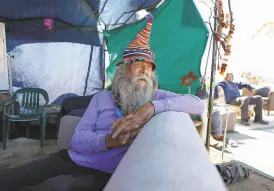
(48, 23)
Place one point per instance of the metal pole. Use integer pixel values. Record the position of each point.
(212, 79)
(104, 80)
(10, 74)
(224, 141)
(207, 59)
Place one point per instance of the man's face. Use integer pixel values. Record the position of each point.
(229, 78)
(140, 68)
(133, 84)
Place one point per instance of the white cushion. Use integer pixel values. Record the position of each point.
(168, 154)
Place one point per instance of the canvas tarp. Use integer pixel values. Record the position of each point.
(178, 39)
(70, 59)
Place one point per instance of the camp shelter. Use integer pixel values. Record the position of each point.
(68, 59)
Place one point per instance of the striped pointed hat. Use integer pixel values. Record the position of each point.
(139, 49)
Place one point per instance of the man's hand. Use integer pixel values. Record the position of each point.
(112, 143)
(129, 126)
(216, 99)
(253, 92)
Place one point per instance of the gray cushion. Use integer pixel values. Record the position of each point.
(66, 129)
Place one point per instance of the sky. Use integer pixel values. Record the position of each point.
(247, 53)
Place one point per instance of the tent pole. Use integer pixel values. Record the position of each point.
(212, 79)
(10, 75)
(105, 48)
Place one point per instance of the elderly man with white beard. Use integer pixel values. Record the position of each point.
(110, 123)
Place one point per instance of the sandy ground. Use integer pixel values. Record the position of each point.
(18, 154)
(23, 150)
(255, 152)
(255, 182)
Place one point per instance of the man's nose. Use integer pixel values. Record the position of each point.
(144, 69)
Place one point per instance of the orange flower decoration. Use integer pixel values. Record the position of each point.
(187, 80)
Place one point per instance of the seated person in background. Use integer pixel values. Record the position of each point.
(233, 97)
(110, 123)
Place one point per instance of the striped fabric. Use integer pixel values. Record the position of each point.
(139, 48)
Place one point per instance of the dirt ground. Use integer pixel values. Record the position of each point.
(255, 182)
(16, 154)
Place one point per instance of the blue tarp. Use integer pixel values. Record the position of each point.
(68, 60)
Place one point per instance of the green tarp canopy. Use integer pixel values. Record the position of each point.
(178, 39)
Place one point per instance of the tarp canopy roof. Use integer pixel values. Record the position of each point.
(178, 39)
(77, 12)
(70, 59)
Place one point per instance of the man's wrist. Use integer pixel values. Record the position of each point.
(150, 110)
(108, 142)
(144, 113)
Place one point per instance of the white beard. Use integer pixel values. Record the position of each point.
(128, 97)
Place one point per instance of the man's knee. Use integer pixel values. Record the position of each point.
(257, 97)
(244, 101)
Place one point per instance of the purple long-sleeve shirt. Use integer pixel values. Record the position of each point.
(88, 142)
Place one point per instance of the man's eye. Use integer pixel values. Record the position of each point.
(150, 66)
(138, 60)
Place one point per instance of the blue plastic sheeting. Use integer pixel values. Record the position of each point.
(61, 62)
(74, 12)
(68, 76)
(119, 12)
(68, 60)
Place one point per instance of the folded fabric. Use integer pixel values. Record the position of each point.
(232, 172)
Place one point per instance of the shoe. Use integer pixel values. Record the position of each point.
(219, 138)
(219, 146)
(231, 143)
(261, 121)
(245, 123)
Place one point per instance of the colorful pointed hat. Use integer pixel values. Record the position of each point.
(139, 49)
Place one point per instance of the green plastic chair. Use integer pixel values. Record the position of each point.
(27, 104)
